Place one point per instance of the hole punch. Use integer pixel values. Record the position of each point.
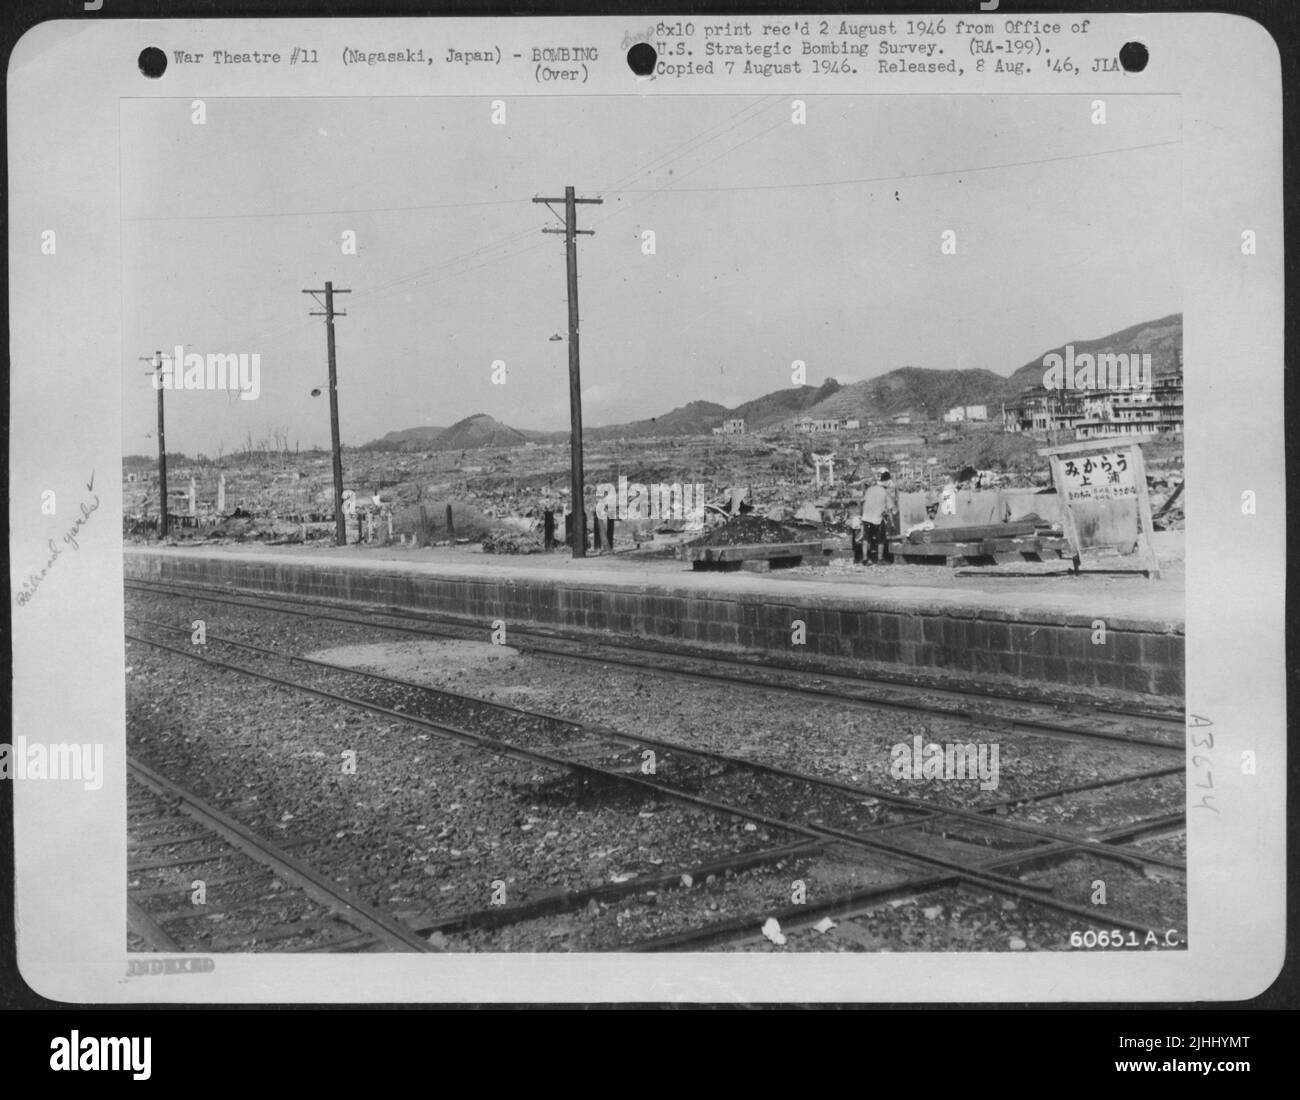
(153, 62)
(641, 59)
(1133, 57)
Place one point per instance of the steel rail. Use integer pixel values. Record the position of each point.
(499, 916)
(144, 926)
(996, 882)
(1025, 724)
(320, 889)
(960, 873)
(856, 902)
(1072, 700)
(921, 806)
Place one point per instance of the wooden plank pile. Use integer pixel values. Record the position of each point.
(754, 557)
(988, 544)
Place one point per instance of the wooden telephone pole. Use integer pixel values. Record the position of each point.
(571, 232)
(340, 527)
(157, 359)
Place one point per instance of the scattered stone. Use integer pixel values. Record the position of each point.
(512, 542)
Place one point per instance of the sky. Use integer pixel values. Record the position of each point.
(773, 242)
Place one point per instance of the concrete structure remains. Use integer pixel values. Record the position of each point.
(810, 424)
(1097, 412)
(829, 462)
(970, 635)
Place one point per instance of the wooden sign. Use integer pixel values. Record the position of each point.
(1102, 485)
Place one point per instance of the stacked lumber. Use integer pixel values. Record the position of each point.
(988, 544)
(753, 557)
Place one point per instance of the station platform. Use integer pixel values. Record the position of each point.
(923, 620)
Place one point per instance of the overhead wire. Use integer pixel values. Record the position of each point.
(452, 267)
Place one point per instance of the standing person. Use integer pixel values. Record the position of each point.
(890, 522)
(875, 516)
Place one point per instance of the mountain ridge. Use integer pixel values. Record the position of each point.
(922, 391)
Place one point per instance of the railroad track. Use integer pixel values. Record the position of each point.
(1155, 728)
(254, 894)
(859, 903)
(941, 844)
(616, 751)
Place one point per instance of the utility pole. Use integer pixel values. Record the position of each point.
(340, 527)
(156, 359)
(571, 232)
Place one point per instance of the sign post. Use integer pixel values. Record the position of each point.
(1102, 485)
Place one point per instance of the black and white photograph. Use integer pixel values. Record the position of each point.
(655, 526)
(543, 494)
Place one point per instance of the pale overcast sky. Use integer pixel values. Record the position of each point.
(774, 242)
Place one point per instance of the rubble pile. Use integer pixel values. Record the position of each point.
(1167, 501)
(785, 476)
(745, 531)
(512, 542)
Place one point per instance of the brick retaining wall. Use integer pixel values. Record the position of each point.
(1053, 649)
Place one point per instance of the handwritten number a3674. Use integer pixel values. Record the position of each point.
(1202, 738)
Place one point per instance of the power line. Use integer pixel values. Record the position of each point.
(678, 151)
(384, 289)
(157, 360)
(324, 213)
(382, 292)
(907, 176)
(672, 186)
(571, 231)
(409, 208)
(340, 528)
(452, 261)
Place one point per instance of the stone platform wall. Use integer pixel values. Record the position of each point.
(1052, 649)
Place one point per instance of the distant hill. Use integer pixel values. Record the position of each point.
(914, 390)
(917, 390)
(409, 439)
(696, 418)
(479, 430)
(932, 392)
(1159, 338)
(781, 404)
(701, 417)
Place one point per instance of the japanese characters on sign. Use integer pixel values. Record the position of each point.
(1107, 476)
